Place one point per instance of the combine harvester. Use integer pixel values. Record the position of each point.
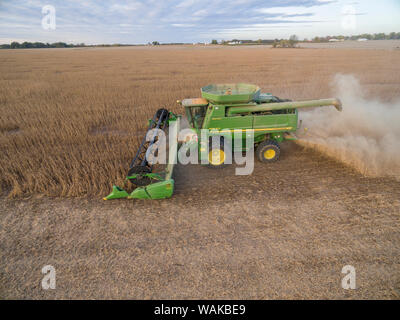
(225, 110)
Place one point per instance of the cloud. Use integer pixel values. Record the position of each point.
(182, 25)
(286, 10)
(112, 21)
(186, 4)
(126, 7)
(308, 14)
(201, 13)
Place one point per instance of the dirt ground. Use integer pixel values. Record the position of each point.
(284, 232)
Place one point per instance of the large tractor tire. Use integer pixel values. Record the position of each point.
(268, 151)
(219, 155)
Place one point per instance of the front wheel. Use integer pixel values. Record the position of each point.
(268, 151)
(218, 154)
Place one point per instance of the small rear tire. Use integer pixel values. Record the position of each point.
(268, 151)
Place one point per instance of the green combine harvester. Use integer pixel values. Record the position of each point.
(227, 111)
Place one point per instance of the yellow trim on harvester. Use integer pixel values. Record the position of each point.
(216, 157)
(269, 154)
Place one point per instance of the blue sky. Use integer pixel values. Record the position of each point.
(141, 21)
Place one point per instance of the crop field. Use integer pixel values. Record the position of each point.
(370, 44)
(71, 121)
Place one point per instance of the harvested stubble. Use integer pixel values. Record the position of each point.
(71, 119)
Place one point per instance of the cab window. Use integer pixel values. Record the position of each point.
(198, 114)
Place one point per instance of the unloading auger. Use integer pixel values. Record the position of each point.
(226, 111)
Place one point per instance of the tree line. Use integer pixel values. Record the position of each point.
(293, 40)
(28, 45)
(368, 36)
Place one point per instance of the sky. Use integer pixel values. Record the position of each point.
(142, 21)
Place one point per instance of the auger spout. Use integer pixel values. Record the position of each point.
(285, 105)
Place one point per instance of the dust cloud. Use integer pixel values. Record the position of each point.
(365, 135)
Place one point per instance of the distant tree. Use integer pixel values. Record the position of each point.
(26, 45)
(155, 43)
(59, 45)
(38, 45)
(283, 43)
(214, 41)
(293, 40)
(379, 36)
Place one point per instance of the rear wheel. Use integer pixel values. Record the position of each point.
(268, 151)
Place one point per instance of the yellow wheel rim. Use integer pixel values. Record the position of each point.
(269, 154)
(216, 157)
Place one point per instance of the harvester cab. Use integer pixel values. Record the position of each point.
(223, 113)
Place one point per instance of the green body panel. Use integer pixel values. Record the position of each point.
(158, 190)
(277, 136)
(153, 176)
(218, 123)
(172, 117)
(230, 93)
(258, 123)
(116, 193)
